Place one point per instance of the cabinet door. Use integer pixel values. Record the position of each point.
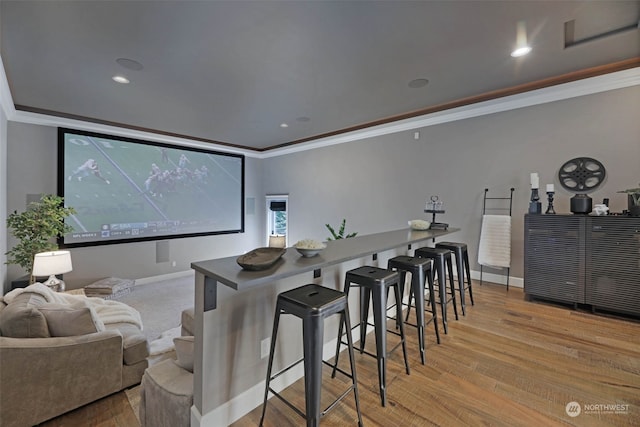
(613, 264)
(554, 257)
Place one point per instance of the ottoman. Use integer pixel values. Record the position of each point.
(166, 396)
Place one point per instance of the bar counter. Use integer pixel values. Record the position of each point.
(220, 396)
(229, 273)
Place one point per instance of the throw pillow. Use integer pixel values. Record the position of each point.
(22, 319)
(71, 320)
(184, 351)
(82, 304)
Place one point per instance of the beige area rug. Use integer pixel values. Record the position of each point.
(133, 395)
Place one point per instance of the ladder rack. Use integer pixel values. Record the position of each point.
(499, 207)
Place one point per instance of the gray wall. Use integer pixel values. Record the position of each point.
(31, 170)
(378, 183)
(381, 183)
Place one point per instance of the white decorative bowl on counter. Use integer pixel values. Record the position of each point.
(308, 247)
(419, 224)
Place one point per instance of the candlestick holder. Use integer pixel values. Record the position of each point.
(550, 209)
(535, 207)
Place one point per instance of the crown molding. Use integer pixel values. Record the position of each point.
(587, 86)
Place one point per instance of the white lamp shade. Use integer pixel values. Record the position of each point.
(276, 241)
(48, 263)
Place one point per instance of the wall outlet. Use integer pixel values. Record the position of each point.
(265, 346)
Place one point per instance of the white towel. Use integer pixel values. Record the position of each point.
(495, 241)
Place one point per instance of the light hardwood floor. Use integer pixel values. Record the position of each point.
(507, 363)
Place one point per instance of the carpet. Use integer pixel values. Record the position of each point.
(164, 343)
(161, 303)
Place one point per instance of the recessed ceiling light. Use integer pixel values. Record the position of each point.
(521, 51)
(521, 40)
(129, 64)
(284, 125)
(120, 79)
(418, 83)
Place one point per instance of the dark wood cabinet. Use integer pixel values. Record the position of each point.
(613, 263)
(592, 260)
(20, 282)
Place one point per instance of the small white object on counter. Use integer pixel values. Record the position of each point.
(309, 247)
(419, 224)
(601, 209)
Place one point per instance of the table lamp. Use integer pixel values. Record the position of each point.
(277, 241)
(50, 264)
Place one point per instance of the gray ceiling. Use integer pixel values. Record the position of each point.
(233, 71)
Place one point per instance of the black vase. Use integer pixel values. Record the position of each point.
(634, 209)
(581, 204)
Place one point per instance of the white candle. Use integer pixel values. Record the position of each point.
(535, 182)
(549, 188)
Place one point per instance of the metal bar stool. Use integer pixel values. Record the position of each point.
(420, 269)
(312, 303)
(441, 258)
(375, 282)
(462, 265)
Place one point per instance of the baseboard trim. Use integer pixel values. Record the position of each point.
(161, 277)
(501, 279)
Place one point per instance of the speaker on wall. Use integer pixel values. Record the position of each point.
(251, 205)
(162, 251)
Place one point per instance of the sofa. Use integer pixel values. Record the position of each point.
(59, 352)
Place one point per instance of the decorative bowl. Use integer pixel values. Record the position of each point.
(309, 247)
(260, 258)
(419, 224)
(308, 253)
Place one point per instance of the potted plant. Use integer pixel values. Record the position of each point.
(340, 233)
(633, 200)
(36, 229)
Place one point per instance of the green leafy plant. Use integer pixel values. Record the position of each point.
(36, 228)
(340, 233)
(634, 193)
